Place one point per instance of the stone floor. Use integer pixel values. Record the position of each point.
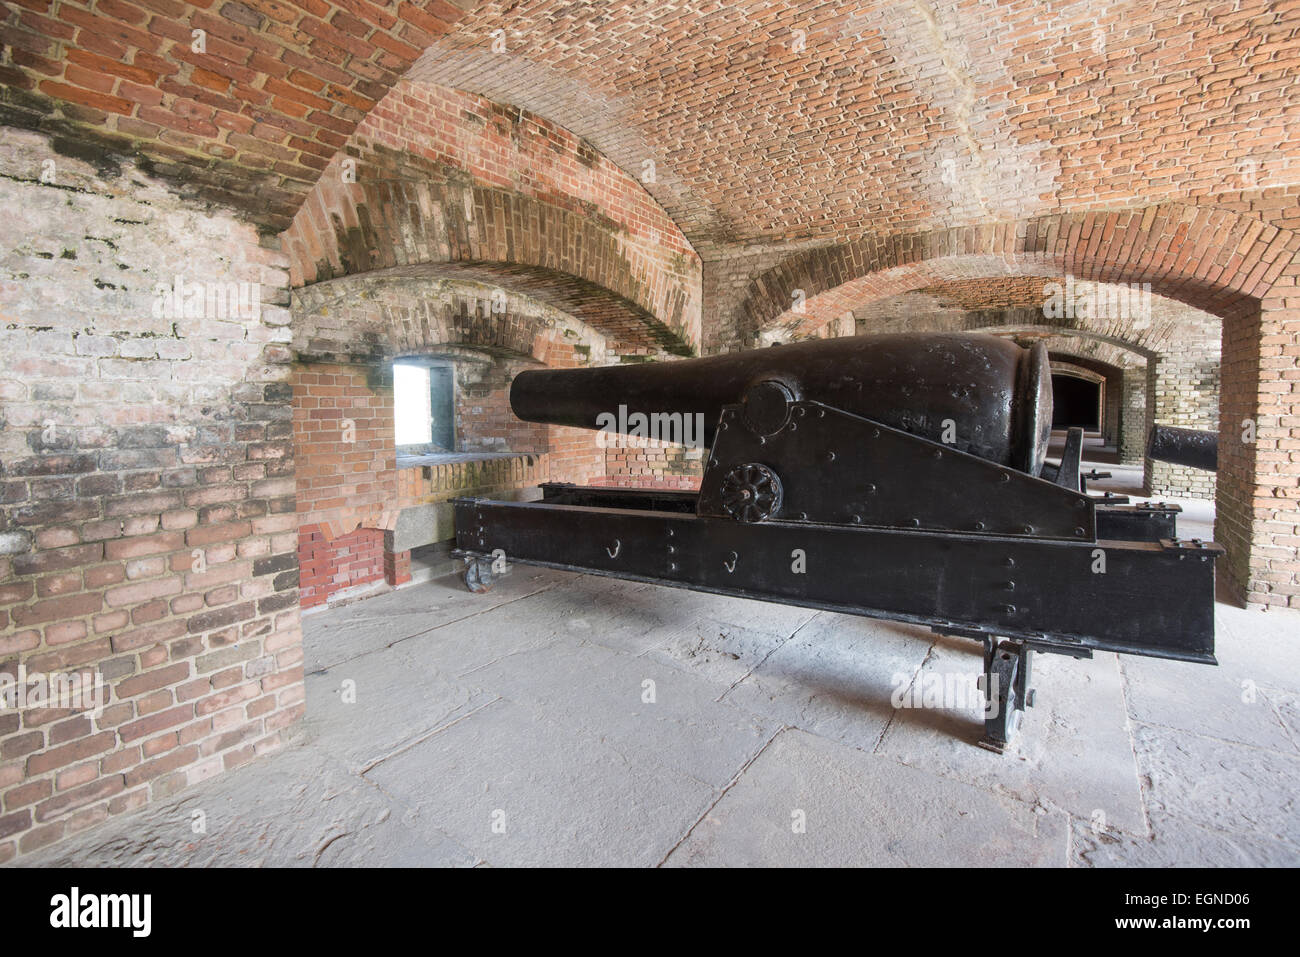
(565, 719)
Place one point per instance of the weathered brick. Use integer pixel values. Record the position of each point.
(68, 753)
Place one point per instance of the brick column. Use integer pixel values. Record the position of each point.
(1259, 483)
(1185, 394)
(397, 567)
(1112, 402)
(1133, 417)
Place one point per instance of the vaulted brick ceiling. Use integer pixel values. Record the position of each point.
(887, 116)
(768, 122)
(1001, 292)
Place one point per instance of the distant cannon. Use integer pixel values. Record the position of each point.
(1189, 447)
(900, 477)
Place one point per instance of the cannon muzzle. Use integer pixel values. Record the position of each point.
(980, 394)
(1189, 447)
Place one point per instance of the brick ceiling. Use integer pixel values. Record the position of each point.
(769, 122)
(1003, 292)
(249, 121)
(892, 116)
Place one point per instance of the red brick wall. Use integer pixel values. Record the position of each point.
(484, 420)
(346, 479)
(1274, 484)
(343, 443)
(329, 565)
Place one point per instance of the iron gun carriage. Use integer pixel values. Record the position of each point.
(902, 477)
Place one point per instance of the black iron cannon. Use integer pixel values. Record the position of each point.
(1189, 447)
(998, 393)
(900, 477)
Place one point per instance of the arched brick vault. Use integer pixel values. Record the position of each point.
(1229, 264)
(1070, 370)
(509, 199)
(770, 120)
(420, 227)
(375, 318)
(1143, 343)
(1085, 367)
(1218, 261)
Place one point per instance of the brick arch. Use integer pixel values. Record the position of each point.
(250, 121)
(1099, 369)
(1216, 260)
(375, 317)
(413, 228)
(1065, 368)
(1096, 354)
(518, 337)
(496, 194)
(1146, 343)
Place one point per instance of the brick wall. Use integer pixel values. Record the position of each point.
(668, 466)
(332, 564)
(346, 483)
(441, 482)
(1183, 390)
(147, 531)
(1268, 467)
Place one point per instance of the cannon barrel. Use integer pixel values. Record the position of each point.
(1195, 449)
(981, 394)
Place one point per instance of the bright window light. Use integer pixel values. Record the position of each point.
(412, 410)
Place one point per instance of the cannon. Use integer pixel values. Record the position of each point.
(1190, 447)
(901, 477)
